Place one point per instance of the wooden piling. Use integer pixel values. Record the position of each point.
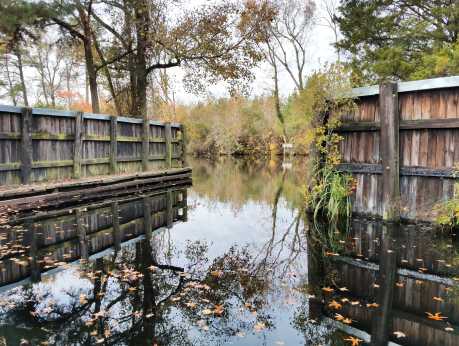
(77, 145)
(390, 151)
(147, 220)
(116, 226)
(26, 145)
(168, 135)
(184, 144)
(145, 143)
(169, 209)
(81, 231)
(113, 144)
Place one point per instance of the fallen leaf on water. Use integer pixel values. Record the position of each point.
(399, 284)
(399, 334)
(344, 300)
(327, 289)
(375, 285)
(355, 302)
(218, 309)
(438, 299)
(339, 317)
(347, 321)
(206, 312)
(335, 305)
(372, 305)
(191, 305)
(436, 316)
(259, 326)
(343, 289)
(449, 329)
(216, 273)
(353, 341)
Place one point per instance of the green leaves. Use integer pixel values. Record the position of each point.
(406, 39)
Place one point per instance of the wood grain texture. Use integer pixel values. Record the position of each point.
(388, 105)
(26, 145)
(52, 147)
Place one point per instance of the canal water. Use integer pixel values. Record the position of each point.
(231, 260)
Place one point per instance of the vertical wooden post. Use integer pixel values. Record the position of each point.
(389, 144)
(77, 145)
(81, 235)
(169, 209)
(185, 205)
(147, 221)
(382, 317)
(184, 144)
(26, 145)
(116, 226)
(113, 144)
(35, 272)
(145, 143)
(168, 136)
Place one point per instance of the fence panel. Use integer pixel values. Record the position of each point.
(59, 145)
(428, 146)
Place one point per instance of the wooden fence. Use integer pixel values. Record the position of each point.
(49, 145)
(402, 146)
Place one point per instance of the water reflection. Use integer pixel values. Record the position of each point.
(232, 260)
(391, 283)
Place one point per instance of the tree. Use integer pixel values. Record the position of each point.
(74, 16)
(211, 43)
(18, 16)
(289, 35)
(404, 39)
(284, 37)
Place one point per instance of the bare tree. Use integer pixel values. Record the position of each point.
(289, 36)
(285, 42)
(330, 20)
(48, 61)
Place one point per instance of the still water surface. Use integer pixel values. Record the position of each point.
(232, 260)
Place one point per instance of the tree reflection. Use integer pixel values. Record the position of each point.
(134, 298)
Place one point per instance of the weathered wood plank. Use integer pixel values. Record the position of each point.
(168, 135)
(452, 123)
(368, 168)
(26, 145)
(78, 145)
(388, 104)
(113, 144)
(145, 144)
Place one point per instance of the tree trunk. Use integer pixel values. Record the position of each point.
(17, 52)
(141, 16)
(108, 76)
(131, 63)
(89, 59)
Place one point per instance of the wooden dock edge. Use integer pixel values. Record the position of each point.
(75, 192)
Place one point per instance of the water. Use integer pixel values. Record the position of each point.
(232, 260)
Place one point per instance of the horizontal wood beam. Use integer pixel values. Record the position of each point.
(371, 168)
(420, 124)
(419, 85)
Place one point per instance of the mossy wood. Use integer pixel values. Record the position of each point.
(45, 145)
(427, 150)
